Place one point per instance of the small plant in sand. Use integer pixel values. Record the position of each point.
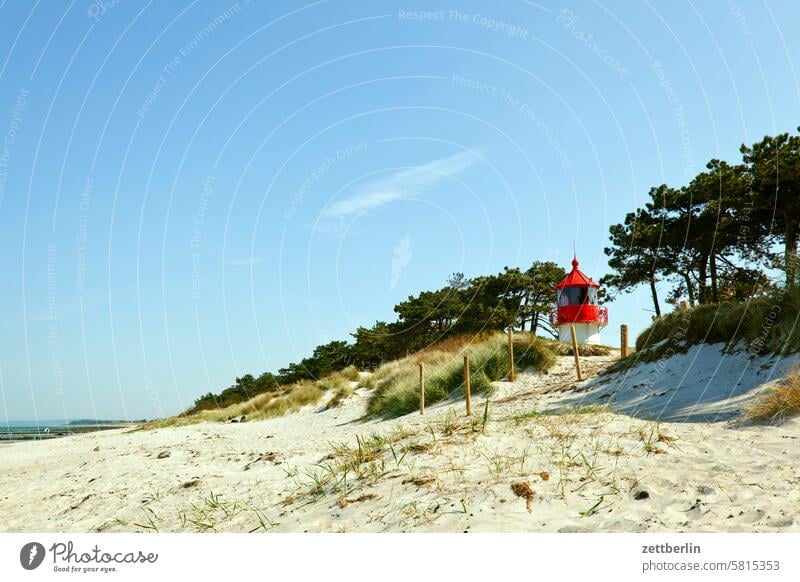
(777, 402)
(349, 468)
(651, 435)
(499, 464)
(151, 497)
(450, 424)
(264, 523)
(152, 520)
(210, 512)
(594, 508)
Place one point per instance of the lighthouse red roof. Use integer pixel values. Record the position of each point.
(577, 278)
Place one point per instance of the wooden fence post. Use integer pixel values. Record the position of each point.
(511, 374)
(466, 386)
(421, 389)
(623, 341)
(575, 350)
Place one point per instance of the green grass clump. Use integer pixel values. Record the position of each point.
(368, 381)
(333, 382)
(397, 384)
(531, 351)
(340, 383)
(350, 373)
(341, 392)
(586, 350)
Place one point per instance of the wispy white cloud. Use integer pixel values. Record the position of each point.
(401, 256)
(401, 185)
(244, 261)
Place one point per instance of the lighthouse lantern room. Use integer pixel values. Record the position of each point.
(576, 298)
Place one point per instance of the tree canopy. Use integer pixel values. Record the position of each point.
(719, 237)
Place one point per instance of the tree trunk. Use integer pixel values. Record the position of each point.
(702, 275)
(790, 253)
(689, 288)
(713, 267)
(655, 295)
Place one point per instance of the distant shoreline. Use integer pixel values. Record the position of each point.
(45, 432)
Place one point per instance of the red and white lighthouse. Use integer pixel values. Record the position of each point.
(576, 297)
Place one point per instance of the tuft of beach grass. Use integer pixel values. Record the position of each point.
(777, 402)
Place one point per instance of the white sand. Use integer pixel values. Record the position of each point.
(587, 472)
(703, 384)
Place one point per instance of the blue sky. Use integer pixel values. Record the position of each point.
(190, 191)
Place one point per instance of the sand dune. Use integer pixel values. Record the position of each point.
(584, 469)
(704, 384)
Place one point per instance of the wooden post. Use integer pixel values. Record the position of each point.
(511, 374)
(466, 386)
(575, 350)
(623, 341)
(421, 389)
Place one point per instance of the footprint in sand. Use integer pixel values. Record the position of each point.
(780, 522)
(751, 516)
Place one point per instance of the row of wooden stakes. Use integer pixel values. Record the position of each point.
(511, 372)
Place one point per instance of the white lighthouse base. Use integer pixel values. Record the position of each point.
(586, 333)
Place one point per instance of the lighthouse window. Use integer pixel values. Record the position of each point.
(577, 296)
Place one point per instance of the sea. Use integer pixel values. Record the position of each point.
(18, 431)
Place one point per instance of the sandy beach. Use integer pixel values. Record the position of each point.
(544, 457)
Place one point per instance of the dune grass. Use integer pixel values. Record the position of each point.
(777, 402)
(350, 373)
(262, 406)
(397, 383)
(586, 350)
(289, 399)
(368, 381)
(765, 324)
(340, 385)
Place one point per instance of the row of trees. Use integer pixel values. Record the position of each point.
(514, 297)
(517, 298)
(719, 237)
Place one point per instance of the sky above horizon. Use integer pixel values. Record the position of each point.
(192, 191)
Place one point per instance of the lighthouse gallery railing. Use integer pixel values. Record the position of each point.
(584, 313)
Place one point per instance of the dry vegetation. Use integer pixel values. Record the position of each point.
(777, 402)
(289, 399)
